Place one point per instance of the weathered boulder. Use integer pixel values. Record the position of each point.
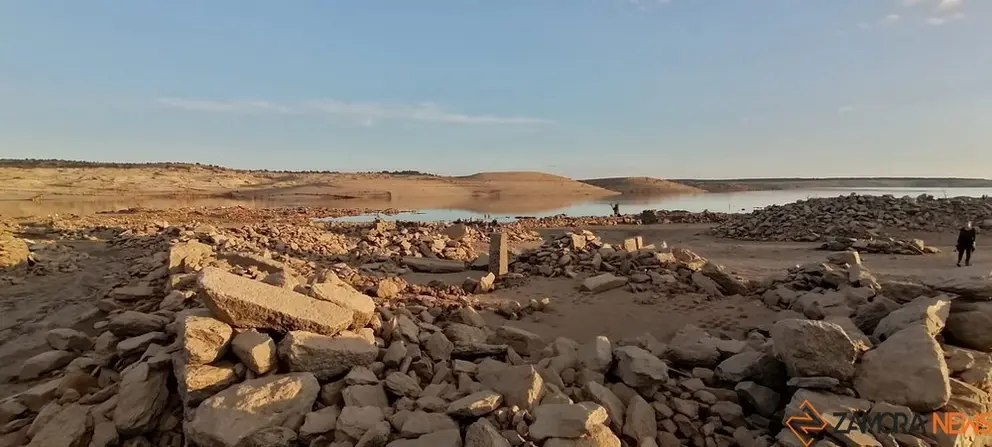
(639, 368)
(814, 348)
(760, 367)
(326, 357)
(615, 408)
(188, 256)
(433, 265)
(443, 438)
(204, 339)
(233, 414)
(245, 303)
(256, 350)
(974, 288)
(906, 369)
(142, 398)
(603, 282)
(44, 363)
(475, 404)
(69, 427)
(726, 281)
(522, 341)
(483, 433)
(566, 421)
(66, 339)
(969, 324)
(598, 436)
(931, 313)
(132, 324)
(597, 355)
(693, 346)
(343, 294)
(867, 316)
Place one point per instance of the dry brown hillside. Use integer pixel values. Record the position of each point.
(642, 186)
(40, 183)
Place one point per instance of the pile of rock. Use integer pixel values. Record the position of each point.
(638, 266)
(891, 246)
(855, 216)
(648, 217)
(227, 360)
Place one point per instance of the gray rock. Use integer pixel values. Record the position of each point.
(316, 423)
(141, 400)
(325, 356)
(66, 339)
(567, 421)
(420, 423)
(44, 363)
(693, 346)
(640, 420)
(522, 341)
(968, 324)
(907, 369)
(814, 348)
(639, 368)
(68, 427)
(599, 436)
(402, 385)
(931, 313)
(353, 422)
(133, 324)
(867, 316)
(603, 282)
(443, 438)
(596, 355)
(430, 265)
(615, 409)
(483, 433)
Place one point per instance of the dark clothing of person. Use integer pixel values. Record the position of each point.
(966, 254)
(616, 209)
(966, 239)
(966, 245)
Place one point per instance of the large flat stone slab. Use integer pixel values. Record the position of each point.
(429, 265)
(326, 357)
(245, 303)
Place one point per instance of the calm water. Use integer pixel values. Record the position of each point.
(717, 202)
(735, 202)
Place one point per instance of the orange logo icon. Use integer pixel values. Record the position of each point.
(806, 425)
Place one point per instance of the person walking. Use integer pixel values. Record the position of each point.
(966, 243)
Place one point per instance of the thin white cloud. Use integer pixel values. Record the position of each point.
(363, 113)
(911, 2)
(890, 19)
(939, 21)
(946, 5)
(846, 109)
(244, 107)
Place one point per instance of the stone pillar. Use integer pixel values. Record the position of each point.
(499, 256)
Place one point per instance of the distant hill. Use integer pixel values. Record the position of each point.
(765, 184)
(642, 186)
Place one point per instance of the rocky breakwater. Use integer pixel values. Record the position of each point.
(632, 264)
(855, 216)
(646, 217)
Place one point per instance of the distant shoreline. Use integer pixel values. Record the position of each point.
(33, 179)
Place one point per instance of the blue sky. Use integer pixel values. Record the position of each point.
(585, 88)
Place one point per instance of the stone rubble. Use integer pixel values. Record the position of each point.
(856, 216)
(227, 351)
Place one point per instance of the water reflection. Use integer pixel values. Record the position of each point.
(431, 209)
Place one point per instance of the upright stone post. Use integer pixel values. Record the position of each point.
(499, 262)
